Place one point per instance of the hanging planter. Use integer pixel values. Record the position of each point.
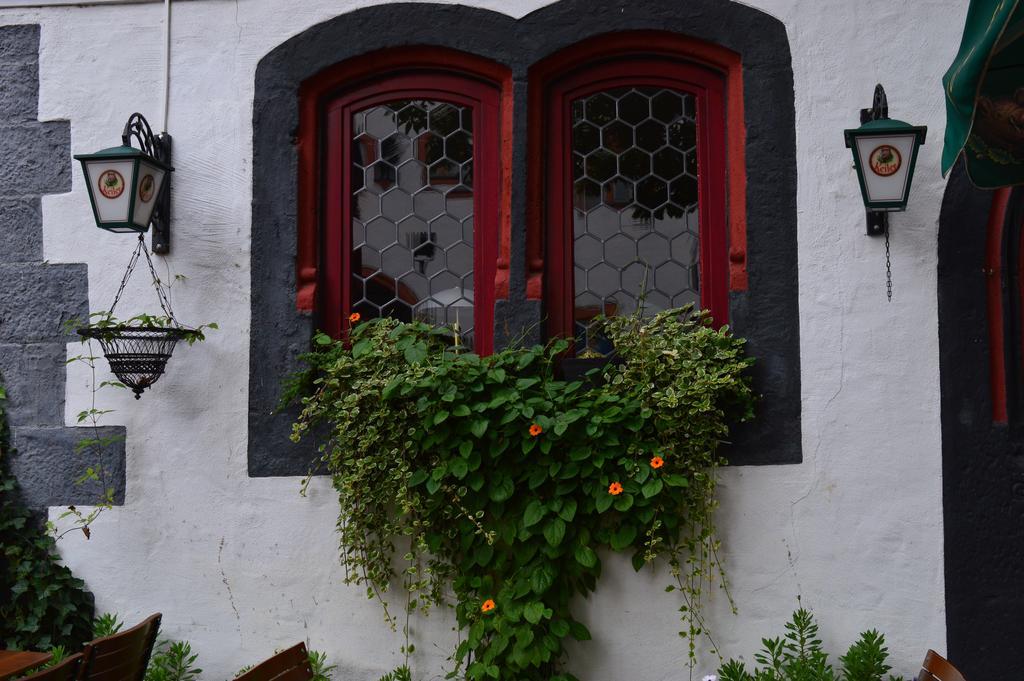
(137, 354)
(137, 349)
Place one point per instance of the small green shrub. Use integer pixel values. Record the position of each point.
(798, 656)
(105, 625)
(398, 674)
(173, 661)
(318, 663)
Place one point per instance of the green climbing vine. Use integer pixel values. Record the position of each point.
(42, 604)
(500, 483)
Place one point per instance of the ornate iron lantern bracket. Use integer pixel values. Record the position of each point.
(159, 147)
(877, 220)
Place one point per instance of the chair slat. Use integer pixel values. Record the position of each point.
(65, 671)
(122, 656)
(295, 674)
(937, 668)
(288, 665)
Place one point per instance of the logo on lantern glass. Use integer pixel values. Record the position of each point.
(146, 188)
(885, 160)
(111, 184)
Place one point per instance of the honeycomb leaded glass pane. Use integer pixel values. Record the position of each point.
(412, 213)
(635, 227)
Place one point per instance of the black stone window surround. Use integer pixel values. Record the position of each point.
(766, 314)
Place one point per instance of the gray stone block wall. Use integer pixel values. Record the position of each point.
(37, 298)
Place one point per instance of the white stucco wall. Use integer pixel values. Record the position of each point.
(241, 566)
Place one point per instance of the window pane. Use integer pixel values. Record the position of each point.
(412, 213)
(635, 227)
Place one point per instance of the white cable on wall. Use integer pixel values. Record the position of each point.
(167, 64)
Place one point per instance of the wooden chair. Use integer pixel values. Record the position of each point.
(122, 656)
(288, 665)
(937, 668)
(65, 671)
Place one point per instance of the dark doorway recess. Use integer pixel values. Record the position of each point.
(979, 298)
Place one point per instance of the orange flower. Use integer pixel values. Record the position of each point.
(657, 462)
(615, 489)
(535, 430)
(354, 317)
(487, 606)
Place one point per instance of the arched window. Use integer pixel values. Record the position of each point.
(634, 180)
(407, 216)
(545, 253)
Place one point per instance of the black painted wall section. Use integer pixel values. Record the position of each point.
(982, 461)
(36, 298)
(766, 315)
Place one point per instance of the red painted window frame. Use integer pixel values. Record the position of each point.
(324, 220)
(714, 75)
(995, 243)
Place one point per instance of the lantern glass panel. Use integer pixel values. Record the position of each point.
(110, 183)
(150, 182)
(885, 162)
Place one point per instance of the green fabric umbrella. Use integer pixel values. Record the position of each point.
(985, 95)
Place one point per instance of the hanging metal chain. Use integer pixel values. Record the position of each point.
(889, 267)
(165, 303)
(127, 274)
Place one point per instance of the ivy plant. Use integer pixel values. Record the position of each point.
(42, 604)
(501, 483)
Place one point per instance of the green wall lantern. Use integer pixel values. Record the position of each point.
(884, 154)
(129, 188)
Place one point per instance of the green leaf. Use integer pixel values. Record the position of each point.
(542, 578)
(652, 487)
(535, 511)
(623, 537)
(568, 510)
(554, 532)
(560, 628)
(586, 556)
(677, 481)
(483, 554)
(415, 354)
(440, 417)
(623, 502)
(579, 632)
(458, 468)
(604, 502)
(363, 347)
(478, 427)
(533, 612)
(501, 490)
(461, 410)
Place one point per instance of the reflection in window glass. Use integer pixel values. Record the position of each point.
(412, 213)
(635, 227)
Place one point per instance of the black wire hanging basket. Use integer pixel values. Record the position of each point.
(138, 352)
